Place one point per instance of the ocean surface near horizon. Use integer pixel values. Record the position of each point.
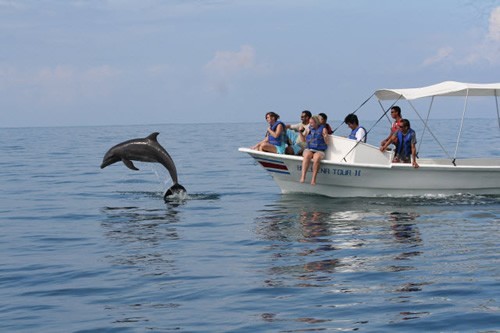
(91, 250)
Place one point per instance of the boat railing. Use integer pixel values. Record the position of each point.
(472, 162)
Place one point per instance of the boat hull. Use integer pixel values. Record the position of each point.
(342, 179)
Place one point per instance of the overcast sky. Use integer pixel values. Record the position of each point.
(118, 62)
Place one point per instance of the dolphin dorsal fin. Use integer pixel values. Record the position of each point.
(153, 136)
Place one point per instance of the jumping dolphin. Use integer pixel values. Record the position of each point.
(144, 150)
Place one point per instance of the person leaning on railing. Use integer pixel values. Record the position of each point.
(405, 139)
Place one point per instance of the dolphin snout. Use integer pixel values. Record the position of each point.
(107, 161)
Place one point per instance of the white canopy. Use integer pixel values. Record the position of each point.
(447, 88)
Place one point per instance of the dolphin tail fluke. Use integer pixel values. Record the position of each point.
(176, 188)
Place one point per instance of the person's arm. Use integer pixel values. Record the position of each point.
(388, 142)
(325, 135)
(386, 139)
(414, 150)
(276, 133)
(303, 134)
(414, 156)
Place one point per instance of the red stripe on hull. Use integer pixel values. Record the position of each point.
(273, 165)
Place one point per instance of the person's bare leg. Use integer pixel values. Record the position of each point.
(305, 164)
(267, 147)
(316, 162)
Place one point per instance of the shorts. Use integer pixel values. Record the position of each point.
(280, 149)
(402, 159)
(296, 148)
(322, 152)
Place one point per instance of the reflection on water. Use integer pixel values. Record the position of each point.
(331, 230)
(144, 247)
(140, 235)
(145, 244)
(370, 256)
(345, 246)
(403, 230)
(145, 237)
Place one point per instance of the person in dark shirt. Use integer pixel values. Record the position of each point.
(405, 139)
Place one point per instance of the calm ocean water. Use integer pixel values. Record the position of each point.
(90, 250)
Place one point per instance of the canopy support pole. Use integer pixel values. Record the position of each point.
(425, 124)
(366, 134)
(385, 113)
(498, 113)
(461, 126)
(427, 127)
(366, 101)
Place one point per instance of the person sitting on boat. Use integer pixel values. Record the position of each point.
(323, 118)
(293, 145)
(303, 127)
(405, 139)
(396, 115)
(316, 145)
(358, 132)
(275, 140)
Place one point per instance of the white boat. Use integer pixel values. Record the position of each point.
(357, 169)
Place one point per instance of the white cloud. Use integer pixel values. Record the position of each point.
(494, 26)
(489, 48)
(226, 63)
(159, 70)
(65, 84)
(12, 4)
(484, 49)
(442, 54)
(60, 84)
(226, 66)
(155, 8)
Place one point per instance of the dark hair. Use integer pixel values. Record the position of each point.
(307, 113)
(397, 109)
(273, 114)
(351, 118)
(405, 122)
(324, 116)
